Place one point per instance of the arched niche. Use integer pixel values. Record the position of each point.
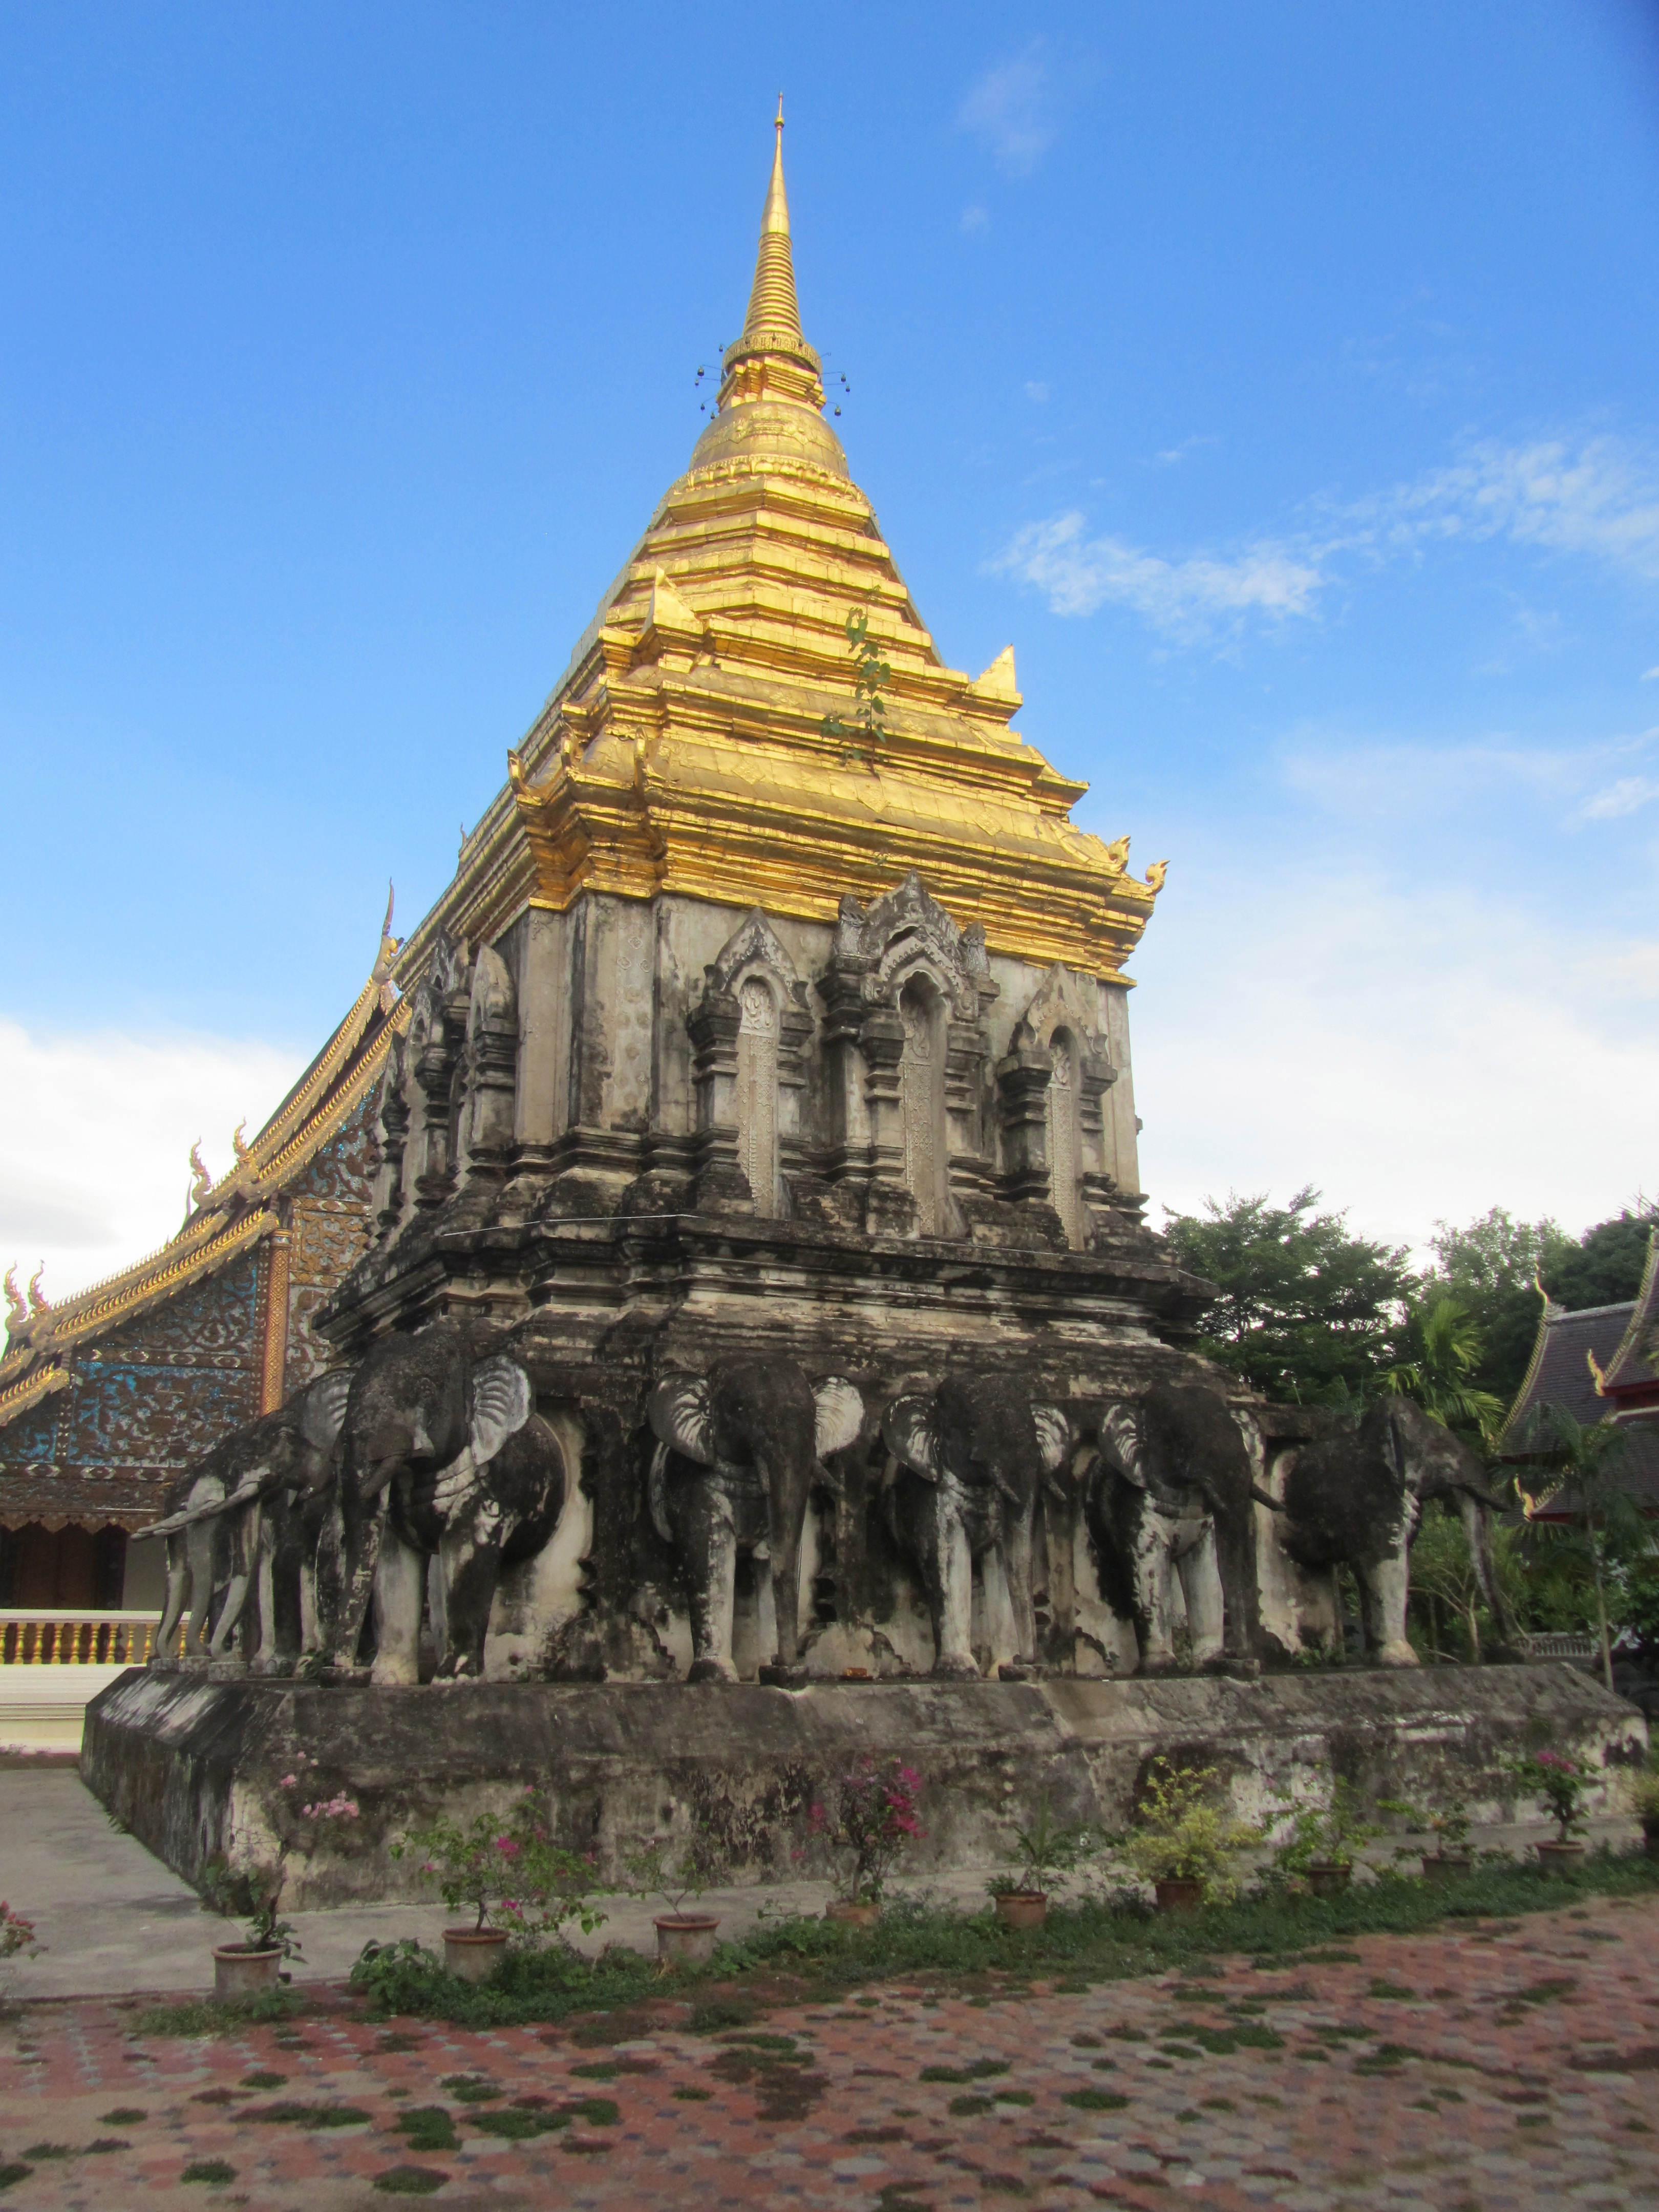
(1051, 1084)
(749, 1031)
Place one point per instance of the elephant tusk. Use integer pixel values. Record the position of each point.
(1273, 1505)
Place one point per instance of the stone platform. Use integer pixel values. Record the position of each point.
(192, 1766)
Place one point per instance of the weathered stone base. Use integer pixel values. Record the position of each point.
(194, 1767)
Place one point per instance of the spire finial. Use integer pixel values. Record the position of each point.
(772, 304)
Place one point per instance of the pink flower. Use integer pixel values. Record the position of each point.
(506, 1847)
(288, 1781)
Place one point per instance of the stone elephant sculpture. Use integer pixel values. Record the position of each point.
(245, 1523)
(1168, 1496)
(973, 1455)
(1355, 1500)
(440, 1458)
(737, 1451)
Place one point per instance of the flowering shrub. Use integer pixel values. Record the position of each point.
(16, 1934)
(676, 1870)
(1179, 1837)
(510, 1873)
(873, 1821)
(1561, 1783)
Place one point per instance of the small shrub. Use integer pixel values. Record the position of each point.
(1182, 1836)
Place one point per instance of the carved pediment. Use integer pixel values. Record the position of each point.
(907, 931)
(754, 944)
(1063, 1000)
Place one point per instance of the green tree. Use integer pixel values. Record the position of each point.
(1492, 1268)
(1607, 1530)
(1307, 1310)
(1443, 1345)
(1604, 1267)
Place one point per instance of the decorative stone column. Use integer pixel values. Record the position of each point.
(714, 1023)
(1022, 1079)
(891, 1208)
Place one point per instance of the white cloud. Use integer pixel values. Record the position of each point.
(1079, 574)
(95, 1132)
(1037, 392)
(1650, 676)
(1623, 796)
(972, 219)
(1006, 108)
(1598, 498)
(1418, 1057)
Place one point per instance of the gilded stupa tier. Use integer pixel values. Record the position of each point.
(685, 750)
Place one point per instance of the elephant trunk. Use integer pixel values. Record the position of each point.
(786, 1486)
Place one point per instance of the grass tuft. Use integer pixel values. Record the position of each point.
(213, 2171)
(411, 2181)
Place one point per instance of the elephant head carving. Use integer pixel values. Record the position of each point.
(1355, 1500)
(755, 1434)
(424, 1422)
(972, 1457)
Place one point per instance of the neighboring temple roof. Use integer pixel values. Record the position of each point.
(1630, 1378)
(1561, 1373)
(226, 1217)
(706, 738)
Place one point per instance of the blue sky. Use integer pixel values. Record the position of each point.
(1279, 379)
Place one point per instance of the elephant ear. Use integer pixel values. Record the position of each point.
(1120, 1444)
(912, 1436)
(324, 1409)
(678, 1413)
(840, 1416)
(1053, 1434)
(501, 1404)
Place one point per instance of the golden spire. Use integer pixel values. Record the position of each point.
(772, 303)
(772, 360)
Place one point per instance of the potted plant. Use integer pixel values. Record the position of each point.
(520, 1885)
(873, 1823)
(1451, 1856)
(1183, 1843)
(1049, 1858)
(252, 1893)
(1562, 1783)
(1319, 1846)
(675, 1870)
(16, 1934)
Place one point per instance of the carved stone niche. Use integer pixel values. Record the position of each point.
(1049, 1089)
(907, 994)
(489, 1081)
(435, 1051)
(750, 1031)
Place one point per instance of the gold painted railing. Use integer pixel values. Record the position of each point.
(29, 1637)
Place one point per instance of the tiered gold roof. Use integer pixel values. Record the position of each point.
(685, 749)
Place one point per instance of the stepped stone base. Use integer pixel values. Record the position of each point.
(193, 1766)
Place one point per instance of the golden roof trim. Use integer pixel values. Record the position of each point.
(20, 1396)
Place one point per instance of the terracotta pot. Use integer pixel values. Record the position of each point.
(686, 1939)
(1176, 1893)
(1555, 1857)
(852, 1916)
(239, 1971)
(473, 1954)
(1327, 1879)
(1021, 1908)
(1445, 1866)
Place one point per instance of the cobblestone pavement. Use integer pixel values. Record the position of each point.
(1497, 2065)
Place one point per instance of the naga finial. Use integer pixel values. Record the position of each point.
(204, 1182)
(1156, 874)
(16, 1312)
(390, 946)
(237, 1146)
(1117, 855)
(38, 1304)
